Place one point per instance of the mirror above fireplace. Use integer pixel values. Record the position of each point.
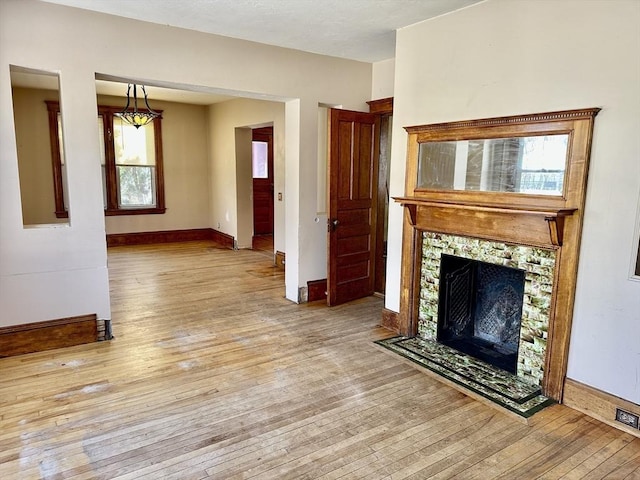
(529, 164)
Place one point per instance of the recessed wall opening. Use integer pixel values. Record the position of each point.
(480, 309)
(39, 139)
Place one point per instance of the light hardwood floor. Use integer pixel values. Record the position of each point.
(214, 374)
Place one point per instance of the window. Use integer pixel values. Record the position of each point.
(259, 158)
(131, 161)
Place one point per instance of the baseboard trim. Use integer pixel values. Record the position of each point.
(170, 236)
(390, 320)
(50, 334)
(223, 239)
(279, 259)
(317, 290)
(598, 404)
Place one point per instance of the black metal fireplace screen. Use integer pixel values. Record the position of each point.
(480, 309)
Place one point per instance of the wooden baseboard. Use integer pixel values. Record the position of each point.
(169, 236)
(317, 290)
(47, 335)
(279, 259)
(223, 239)
(598, 404)
(390, 320)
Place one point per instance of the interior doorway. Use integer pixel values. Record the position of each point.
(262, 173)
(357, 217)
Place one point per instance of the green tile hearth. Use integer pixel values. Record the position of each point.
(501, 387)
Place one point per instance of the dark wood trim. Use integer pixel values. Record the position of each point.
(316, 290)
(383, 106)
(53, 109)
(157, 135)
(47, 335)
(223, 239)
(280, 259)
(134, 211)
(169, 236)
(390, 320)
(112, 208)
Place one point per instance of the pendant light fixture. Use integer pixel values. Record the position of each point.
(135, 117)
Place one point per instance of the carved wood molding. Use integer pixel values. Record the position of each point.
(383, 106)
(585, 113)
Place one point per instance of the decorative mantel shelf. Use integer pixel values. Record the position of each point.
(493, 221)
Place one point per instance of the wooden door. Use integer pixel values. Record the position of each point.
(262, 158)
(351, 225)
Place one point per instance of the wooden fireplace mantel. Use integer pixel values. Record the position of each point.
(522, 224)
(537, 220)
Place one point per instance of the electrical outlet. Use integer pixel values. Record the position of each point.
(628, 418)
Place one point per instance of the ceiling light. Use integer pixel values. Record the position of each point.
(135, 117)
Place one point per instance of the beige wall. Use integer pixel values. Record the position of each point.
(231, 183)
(186, 171)
(34, 155)
(504, 57)
(383, 78)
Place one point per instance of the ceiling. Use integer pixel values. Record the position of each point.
(361, 30)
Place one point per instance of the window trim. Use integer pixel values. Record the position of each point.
(112, 208)
(53, 109)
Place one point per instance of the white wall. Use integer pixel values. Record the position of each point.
(58, 272)
(383, 77)
(504, 57)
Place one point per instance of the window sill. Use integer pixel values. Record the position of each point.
(135, 211)
(124, 211)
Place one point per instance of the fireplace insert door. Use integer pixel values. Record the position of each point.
(480, 309)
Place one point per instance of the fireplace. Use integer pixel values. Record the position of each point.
(480, 309)
(482, 208)
(525, 297)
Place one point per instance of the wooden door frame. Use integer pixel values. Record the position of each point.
(384, 109)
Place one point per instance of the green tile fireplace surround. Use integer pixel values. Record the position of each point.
(538, 265)
(520, 392)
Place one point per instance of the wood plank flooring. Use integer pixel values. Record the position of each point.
(214, 374)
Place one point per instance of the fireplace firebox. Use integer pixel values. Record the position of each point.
(480, 309)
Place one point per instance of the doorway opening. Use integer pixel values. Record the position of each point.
(263, 196)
